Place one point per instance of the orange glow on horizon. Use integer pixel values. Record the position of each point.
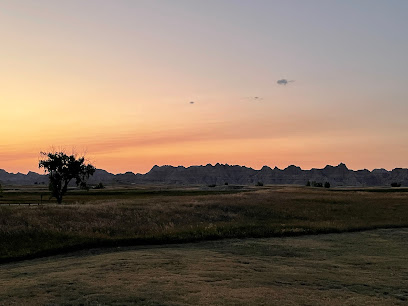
(141, 153)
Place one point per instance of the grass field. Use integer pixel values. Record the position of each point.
(157, 215)
(364, 268)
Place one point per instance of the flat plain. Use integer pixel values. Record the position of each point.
(283, 245)
(363, 268)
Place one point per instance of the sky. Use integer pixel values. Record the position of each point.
(114, 80)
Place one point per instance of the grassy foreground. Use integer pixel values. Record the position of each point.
(365, 268)
(132, 217)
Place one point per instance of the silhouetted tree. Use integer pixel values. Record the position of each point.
(63, 168)
(308, 184)
(326, 185)
(1, 190)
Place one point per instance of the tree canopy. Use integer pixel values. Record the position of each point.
(63, 168)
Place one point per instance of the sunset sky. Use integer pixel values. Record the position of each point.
(114, 80)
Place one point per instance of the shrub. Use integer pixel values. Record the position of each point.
(226, 183)
(99, 186)
(308, 184)
(326, 185)
(259, 184)
(317, 184)
(1, 191)
(212, 185)
(395, 184)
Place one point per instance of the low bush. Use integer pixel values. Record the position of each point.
(99, 186)
(395, 184)
(317, 184)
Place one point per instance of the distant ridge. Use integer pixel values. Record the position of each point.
(220, 174)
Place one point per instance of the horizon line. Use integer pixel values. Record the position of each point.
(226, 164)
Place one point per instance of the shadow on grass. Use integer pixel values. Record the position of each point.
(62, 243)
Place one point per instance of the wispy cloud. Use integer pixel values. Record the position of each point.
(253, 98)
(284, 81)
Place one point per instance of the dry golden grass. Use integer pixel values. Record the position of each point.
(124, 218)
(365, 268)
